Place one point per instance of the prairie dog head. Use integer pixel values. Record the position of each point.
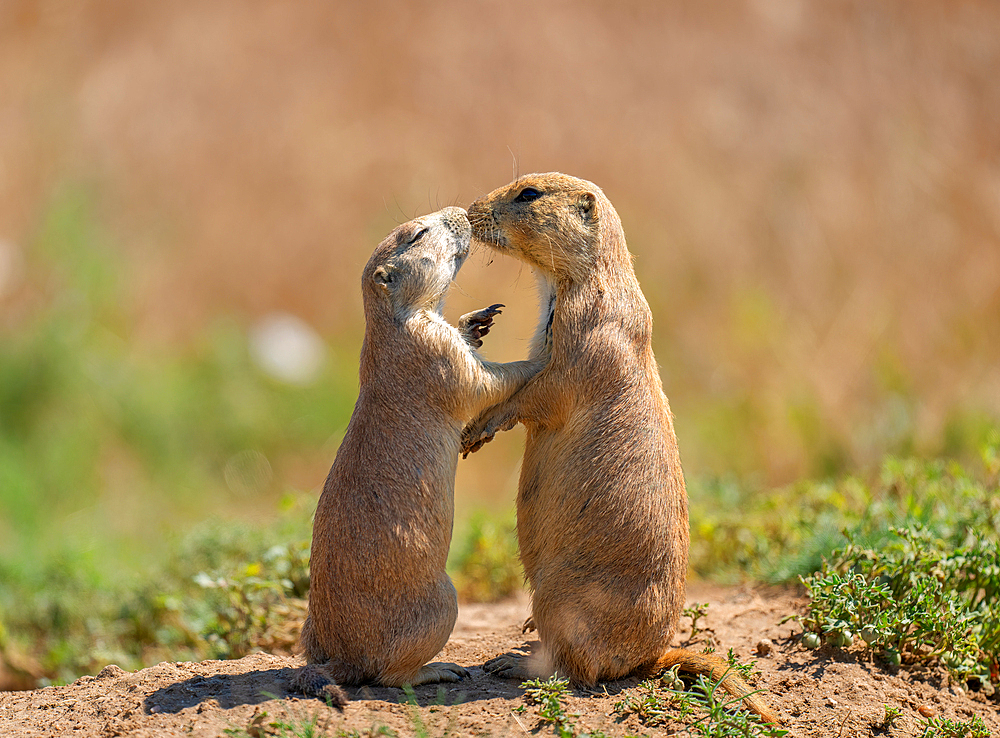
(552, 221)
(414, 265)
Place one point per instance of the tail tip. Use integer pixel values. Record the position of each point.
(311, 681)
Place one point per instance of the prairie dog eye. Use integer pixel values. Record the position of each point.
(527, 195)
(418, 235)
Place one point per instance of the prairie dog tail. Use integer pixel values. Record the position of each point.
(715, 667)
(314, 680)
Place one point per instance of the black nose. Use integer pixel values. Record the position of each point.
(456, 221)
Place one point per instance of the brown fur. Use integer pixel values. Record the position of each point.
(380, 603)
(602, 516)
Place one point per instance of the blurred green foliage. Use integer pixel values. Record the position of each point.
(225, 588)
(89, 418)
(741, 530)
(259, 606)
(483, 561)
(109, 448)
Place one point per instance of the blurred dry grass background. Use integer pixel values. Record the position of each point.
(811, 189)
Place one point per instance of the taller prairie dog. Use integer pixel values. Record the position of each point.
(380, 603)
(602, 517)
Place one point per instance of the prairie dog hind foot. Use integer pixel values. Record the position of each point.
(433, 673)
(509, 666)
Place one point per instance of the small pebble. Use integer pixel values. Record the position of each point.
(927, 711)
(765, 647)
(831, 702)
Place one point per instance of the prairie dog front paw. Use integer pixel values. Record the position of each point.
(481, 430)
(473, 326)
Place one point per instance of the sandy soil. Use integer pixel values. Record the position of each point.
(821, 693)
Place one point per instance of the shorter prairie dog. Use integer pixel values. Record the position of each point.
(380, 603)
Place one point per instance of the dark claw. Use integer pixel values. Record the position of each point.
(479, 324)
(505, 666)
(476, 446)
(494, 664)
(484, 317)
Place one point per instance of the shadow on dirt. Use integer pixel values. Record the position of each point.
(228, 690)
(256, 687)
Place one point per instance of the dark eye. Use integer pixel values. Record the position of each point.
(527, 195)
(419, 234)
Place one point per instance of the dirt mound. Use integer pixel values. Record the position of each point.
(821, 693)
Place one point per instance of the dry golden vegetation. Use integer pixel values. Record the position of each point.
(812, 190)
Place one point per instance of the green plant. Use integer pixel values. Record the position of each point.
(723, 715)
(696, 612)
(279, 727)
(259, 605)
(838, 602)
(671, 678)
(891, 717)
(373, 732)
(648, 701)
(942, 727)
(915, 600)
(420, 728)
(74, 620)
(548, 695)
(747, 671)
(740, 529)
(704, 708)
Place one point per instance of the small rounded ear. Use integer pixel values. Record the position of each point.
(383, 277)
(587, 203)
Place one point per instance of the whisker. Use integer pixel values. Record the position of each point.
(387, 212)
(514, 166)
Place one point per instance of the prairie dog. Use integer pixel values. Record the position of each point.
(380, 603)
(602, 518)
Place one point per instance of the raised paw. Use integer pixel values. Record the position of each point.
(471, 445)
(508, 666)
(473, 326)
(529, 624)
(439, 671)
(482, 430)
(474, 435)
